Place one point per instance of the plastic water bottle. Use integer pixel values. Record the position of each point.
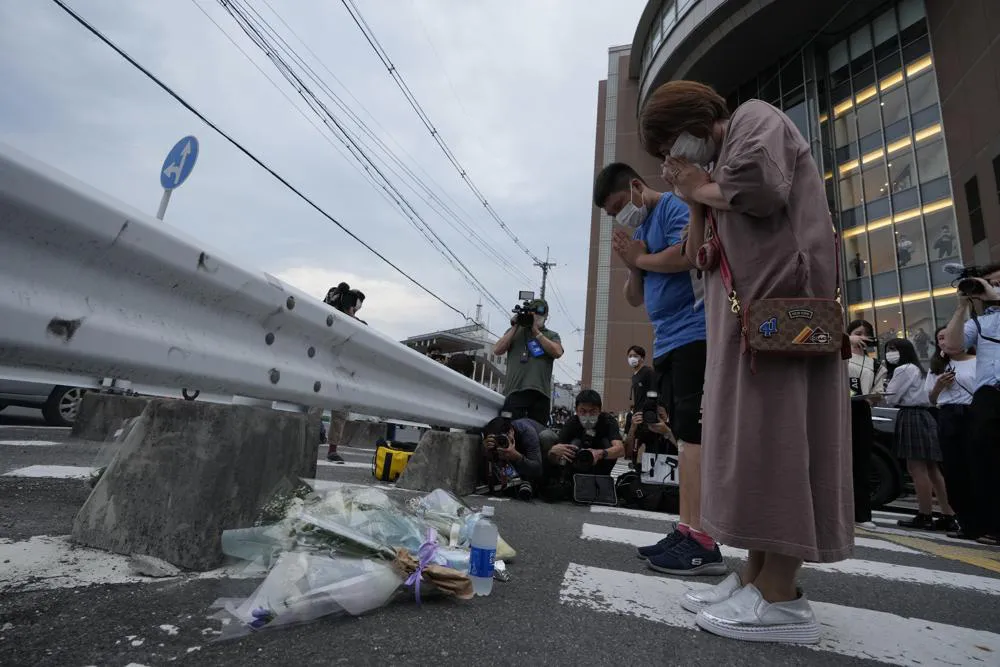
(483, 553)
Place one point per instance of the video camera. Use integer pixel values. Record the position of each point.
(967, 284)
(650, 409)
(525, 312)
(343, 298)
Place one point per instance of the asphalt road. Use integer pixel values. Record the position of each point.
(577, 595)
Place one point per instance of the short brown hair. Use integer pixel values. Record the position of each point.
(679, 106)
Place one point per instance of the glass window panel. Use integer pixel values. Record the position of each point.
(917, 49)
(859, 290)
(669, 17)
(910, 11)
(846, 153)
(902, 172)
(939, 188)
(905, 200)
(878, 209)
(875, 182)
(882, 246)
(884, 27)
(748, 91)
(940, 277)
(932, 163)
(942, 236)
(770, 86)
(944, 307)
(837, 56)
(791, 73)
(926, 117)
(872, 142)
(910, 248)
(852, 217)
(888, 324)
(861, 42)
(869, 119)
(890, 64)
(862, 79)
(923, 91)
(851, 193)
(913, 278)
(885, 285)
(897, 130)
(916, 36)
(894, 105)
(683, 6)
(845, 129)
(856, 256)
(918, 318)
(800, 117)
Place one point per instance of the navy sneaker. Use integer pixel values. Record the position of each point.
(689, 558)
(666, 543)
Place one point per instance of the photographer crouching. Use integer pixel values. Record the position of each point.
(531, 351)
(348, 301)
(513, 455)
(976, 323)
(590, 443)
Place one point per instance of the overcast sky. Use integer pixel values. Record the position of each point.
(511, 87)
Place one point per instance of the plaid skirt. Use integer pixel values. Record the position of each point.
(917, 435)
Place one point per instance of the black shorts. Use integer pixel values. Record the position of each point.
(680, 383)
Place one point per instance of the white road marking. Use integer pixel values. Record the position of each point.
(849, 631)
(26, 427)
(52, 472)
(349, 449)
(29, 443)
(636, 514)
(853, 566)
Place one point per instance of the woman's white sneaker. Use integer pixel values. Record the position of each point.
(695, 601)
(749, 617)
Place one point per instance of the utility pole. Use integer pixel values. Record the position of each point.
(545, 266)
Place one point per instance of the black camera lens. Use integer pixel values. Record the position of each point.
(502, 442)
(585, 457)
(971, 287)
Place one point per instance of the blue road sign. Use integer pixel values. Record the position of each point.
(179, 163)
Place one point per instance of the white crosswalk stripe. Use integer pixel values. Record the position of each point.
(846, 630)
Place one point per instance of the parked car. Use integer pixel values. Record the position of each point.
(58, 403)
(888, 478)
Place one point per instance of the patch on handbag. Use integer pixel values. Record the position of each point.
(800, 314)
(811, 336)
(769, 327)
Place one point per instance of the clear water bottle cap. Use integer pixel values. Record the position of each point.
(487, 510)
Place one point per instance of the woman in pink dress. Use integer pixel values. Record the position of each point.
(776, 465)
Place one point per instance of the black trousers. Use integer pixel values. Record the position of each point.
(529, 403)
(680, 382)
(986, 456)
(959, 469)
(862, 435)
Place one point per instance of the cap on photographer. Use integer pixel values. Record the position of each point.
(976, 323)
(531, 350)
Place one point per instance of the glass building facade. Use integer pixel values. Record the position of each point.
(869, 107)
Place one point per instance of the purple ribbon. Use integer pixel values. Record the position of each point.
(426, 553)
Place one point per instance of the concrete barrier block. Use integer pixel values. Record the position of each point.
(450, 461)
(186, 471)
(101, 415)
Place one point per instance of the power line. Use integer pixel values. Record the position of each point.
(167, 89)
(265, 38)
(369, 36)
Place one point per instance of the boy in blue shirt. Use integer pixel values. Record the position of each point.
(661, 278)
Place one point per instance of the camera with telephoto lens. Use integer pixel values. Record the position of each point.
(343, 298)
(967, 284)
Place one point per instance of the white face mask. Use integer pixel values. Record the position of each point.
(633, 362)
(693, 149)
(892, 357)
(588, 422)
(631, 215)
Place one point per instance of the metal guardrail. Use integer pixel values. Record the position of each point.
(92, 287)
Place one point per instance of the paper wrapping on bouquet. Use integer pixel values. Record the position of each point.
(454, 520)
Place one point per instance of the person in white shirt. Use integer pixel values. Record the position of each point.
(866, 373)
(916, 435)
(950, 385)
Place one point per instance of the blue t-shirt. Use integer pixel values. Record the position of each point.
(674, 301)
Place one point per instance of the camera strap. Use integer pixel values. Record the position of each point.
(992, 309)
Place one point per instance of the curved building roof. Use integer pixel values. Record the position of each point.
(725, 42)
